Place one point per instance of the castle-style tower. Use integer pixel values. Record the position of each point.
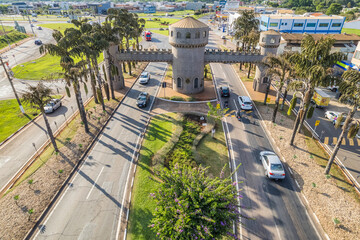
(188, 38)
(269, 43)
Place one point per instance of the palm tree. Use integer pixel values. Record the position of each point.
(350, 89)
(314, 67)
(244, 24)
(86, 49)
(64, 48)
(39, 96)
(280, 66)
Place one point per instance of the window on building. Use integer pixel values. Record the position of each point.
(357, 55)
(336, 25)
(197, 35)
(196, 83)
(172, 33)
(310, 24)
(178, 35)
(273, 24)
(178, 82)
(298, 24)
(188, 35)
(264, 23)
(323, 25)
(204, 34)
(263, 39)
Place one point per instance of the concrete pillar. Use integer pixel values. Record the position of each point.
(269, 43)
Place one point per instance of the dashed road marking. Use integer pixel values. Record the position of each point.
(290, 171)
(343, 142)
(351, 142)
(326, 140)
(334, 140)
(316, 218)
(358, 140)
(297, 184)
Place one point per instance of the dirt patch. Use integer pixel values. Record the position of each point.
(326, 198)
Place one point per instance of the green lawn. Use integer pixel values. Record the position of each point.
(157, 24)
(11, 118)
(57, 26)
(351, 31)
(162, 32)
(176, 13)
(13, 36)
(142, 206)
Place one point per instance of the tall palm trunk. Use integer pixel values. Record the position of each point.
(249, 70)
(285, 95)
(296, 124)
(124, 67)
(277, 103)
(80, 104)
(48, 128)
(345, 129)
(108, 70)
(98, 76)
(128, 47)
(307, 99)
(92, 80)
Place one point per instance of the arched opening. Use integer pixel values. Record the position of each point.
(204, 34)
(178, 82)
(197, 35)
(265, 80)
(263, 39)
(172, 33)
(178, 35)
(196, 83)
(188, 35)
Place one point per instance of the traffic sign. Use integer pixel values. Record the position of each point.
(317, 122)
(267, 100)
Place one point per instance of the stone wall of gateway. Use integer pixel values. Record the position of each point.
(145, 55)
(219, 56)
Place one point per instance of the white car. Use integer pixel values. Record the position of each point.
(272, 165)
(331, 115)
(333, 88)
(144, 78)
(245, 103)
(52, 105)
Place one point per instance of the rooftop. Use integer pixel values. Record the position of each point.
(289, 16)
(189, 22)
(337, 37)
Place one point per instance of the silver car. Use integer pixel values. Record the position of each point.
(144, 78)
(272, 165)
(52, 105)
(245, 103)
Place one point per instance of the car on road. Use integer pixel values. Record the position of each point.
(38, 42)
(52, 105)
(333, 88)
(39, 28)
(331, 115)
(142, 99)
(245, 103)
(144, 78)
(342, 121)
(225, 91)
(223, 37)
(272, 165)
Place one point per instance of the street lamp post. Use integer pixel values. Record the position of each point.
(12, 86)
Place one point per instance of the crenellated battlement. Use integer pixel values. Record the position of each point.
(145, 55)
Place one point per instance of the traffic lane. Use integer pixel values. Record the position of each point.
(90, 207)
(158, 40)
(32, 138)
(290, 218)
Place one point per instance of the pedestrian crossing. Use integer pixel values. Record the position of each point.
(345, 141)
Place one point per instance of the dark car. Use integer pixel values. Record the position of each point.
(38, 42)
(225, 91)
(142, 99)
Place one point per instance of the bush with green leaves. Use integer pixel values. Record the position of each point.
(191, 205)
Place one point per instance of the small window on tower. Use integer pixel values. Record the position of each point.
(172, 33)
(188, 35)
(204, 35)
(178, 35)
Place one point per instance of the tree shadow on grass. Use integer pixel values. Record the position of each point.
(140, 219)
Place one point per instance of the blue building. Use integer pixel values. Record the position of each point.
(100, 8)
(302, 24)
(149, 9)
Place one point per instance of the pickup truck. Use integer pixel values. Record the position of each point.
(321, 98)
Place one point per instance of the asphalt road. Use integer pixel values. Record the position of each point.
(25, 52)
(274, 206)
(91, 205)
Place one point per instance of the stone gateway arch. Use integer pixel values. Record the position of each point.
(188, 56)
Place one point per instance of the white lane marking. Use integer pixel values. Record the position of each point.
(277, 230)
(316, 218)
(236, 177)
(127, 181)
(306, 200)
(297, 184)
(290, 171)
(236, 105)
(327, 236)
(94, 183)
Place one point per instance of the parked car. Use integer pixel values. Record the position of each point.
(245, 103)
(342, 121)
(142, 99)
(333, 88)
(225, 91)
(272, 165)
(52, 105)
(144, 78)
(34, 20)
(38, 42)
(39, 28)
(331, 115)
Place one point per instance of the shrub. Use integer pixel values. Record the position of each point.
(177, 98)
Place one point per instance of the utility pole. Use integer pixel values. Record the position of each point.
(31, 25)
(12, 86)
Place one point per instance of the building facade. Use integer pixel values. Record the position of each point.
(302, 24)
(356, 58)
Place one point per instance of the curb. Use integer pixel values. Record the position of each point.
(73, 173)
(167, 100)
(17, 131)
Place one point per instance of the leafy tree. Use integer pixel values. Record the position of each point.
(39, 96)
(244, 24)
(334, 9)
(191, 205)
(216, 112)
(313, 67)
(280, 66)
(350, 89)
